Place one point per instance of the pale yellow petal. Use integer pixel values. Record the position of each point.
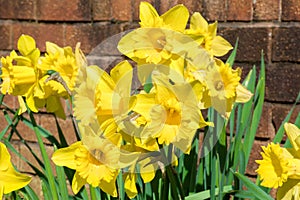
(176, 18)
(148, 15)
(26, 44)
(66, 156)
(77, 183)
(220, 46)
(293, 132)
(198, 22)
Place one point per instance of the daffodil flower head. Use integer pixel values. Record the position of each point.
(206, 36)
(222, 84)
(61, 61)
(275, 166)
(89, 169)
(169, 109)
(10, 179)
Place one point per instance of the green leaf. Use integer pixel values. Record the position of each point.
(255, 190)
(232, 56)
(206, 194)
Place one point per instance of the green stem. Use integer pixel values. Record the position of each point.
(49, 173)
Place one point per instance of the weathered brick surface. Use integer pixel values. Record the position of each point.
(40, 32)
(21, 9)
(266, 130)
(280, 111)
(266, 10)
(101, 10)
(121, 10)
(23, 166)
(64, 10)
(5, 36)
(239, 10)
(291, 10)
(214, 10)
(251, 41)
(286, 44)
(282, 82)
(192, 5)
(89, 35)
(255, 155)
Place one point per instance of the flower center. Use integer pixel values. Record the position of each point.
(219, 85)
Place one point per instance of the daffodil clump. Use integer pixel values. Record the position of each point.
(280, 167)
(127, 128)
(38, 80)
(131, 120)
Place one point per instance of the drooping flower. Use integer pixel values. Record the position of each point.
(206, 36)
(62, 62)
(10, 179)
(89, 169)
(27, 75)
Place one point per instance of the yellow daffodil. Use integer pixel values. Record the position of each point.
(62, 62)
(279, 167)
(10, 179)
(30, 76)
(223, 88)
(206, 35)
(159, 36)
(171, 112)
(274, 167)
(89, 169)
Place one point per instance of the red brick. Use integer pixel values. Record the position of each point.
(213, 10)
(64, 10)
(40, 32)
(4, 53)
(286, 44)
(36, 185)
(102, 10)
(90, 35)
(266, 130)
(136, 8)
(282, 82)
(266, 10)
(17, 9)
(24, 167)
(239, 10)
(291, 10)
(252, 41)
(47, 121)
(26, 132)
(5, 36)
(191, 5)
(280, 111)
(121, 10)
(255, 155)
(11, 101)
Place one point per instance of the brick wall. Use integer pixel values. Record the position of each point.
(269, 25)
